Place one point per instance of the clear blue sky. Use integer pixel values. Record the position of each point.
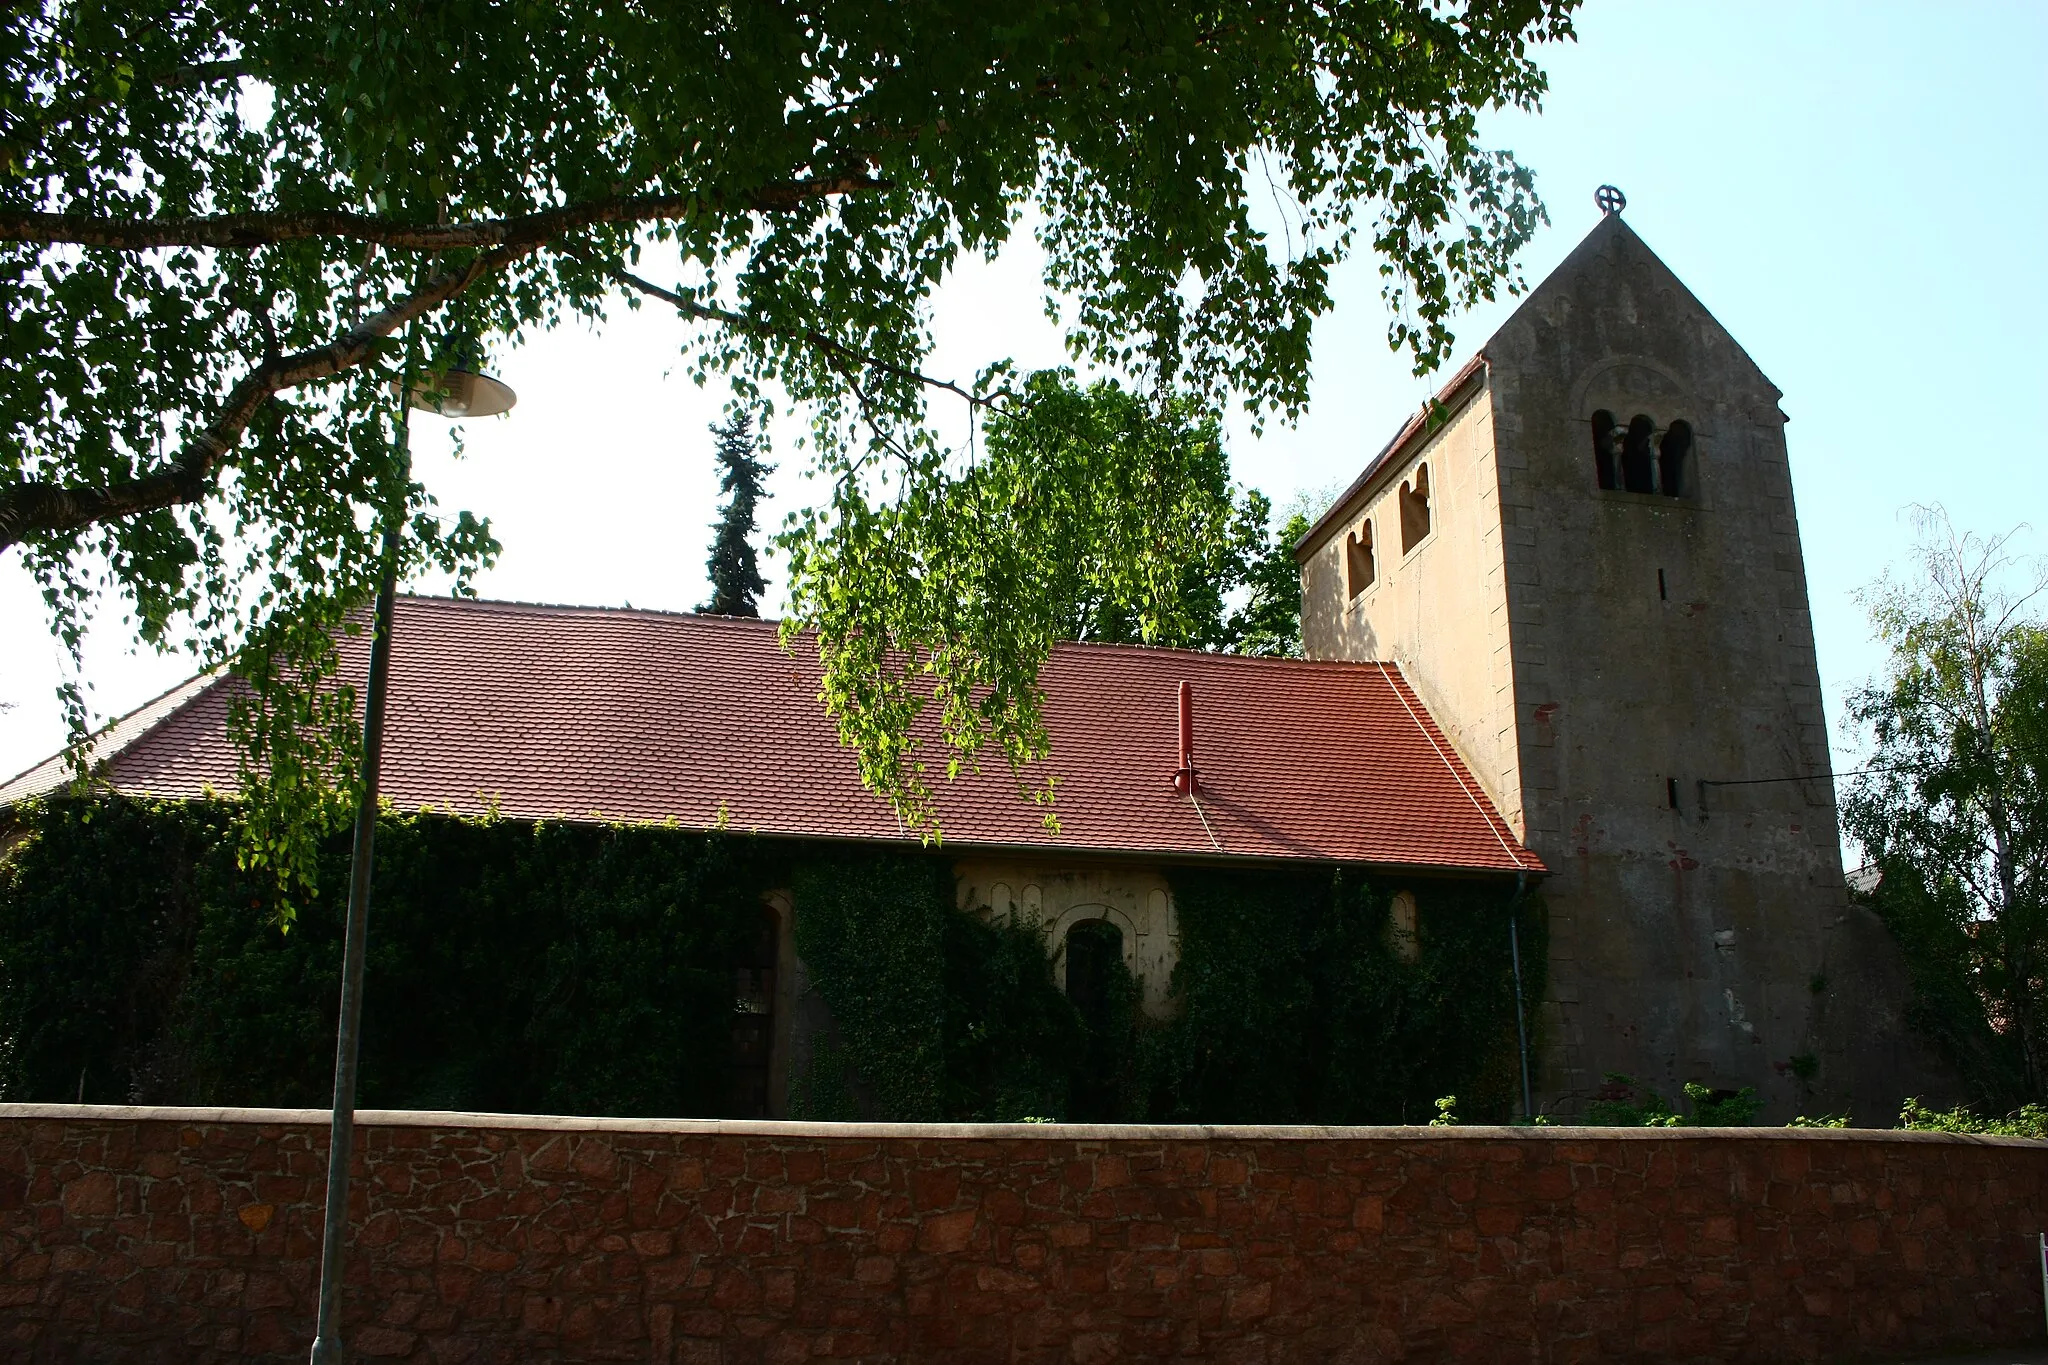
(1857, 190)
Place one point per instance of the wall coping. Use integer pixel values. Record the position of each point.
(1071, 1132)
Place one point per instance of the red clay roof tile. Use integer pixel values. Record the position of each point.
(591, 713)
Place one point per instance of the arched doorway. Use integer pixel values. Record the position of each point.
(1098, 985)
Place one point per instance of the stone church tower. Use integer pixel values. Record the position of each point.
(1587, 561)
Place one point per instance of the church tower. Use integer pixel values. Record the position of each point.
(1586, 559)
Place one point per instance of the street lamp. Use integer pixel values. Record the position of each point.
(456, 392)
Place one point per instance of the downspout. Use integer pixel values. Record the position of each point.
(1521, 1021)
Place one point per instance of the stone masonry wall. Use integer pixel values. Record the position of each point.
(192, 1235)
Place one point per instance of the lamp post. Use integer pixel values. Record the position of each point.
(456, 393)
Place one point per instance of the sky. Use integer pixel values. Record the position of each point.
(1858, 191)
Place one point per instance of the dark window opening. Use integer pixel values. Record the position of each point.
(1095, 948)
(1663, 593)
(1638, 469)
(1095, 958)
(1671, 792)
(1671, 453)
(1359, 568)
(1414, 501)
(753, 1018)
(1605, 438)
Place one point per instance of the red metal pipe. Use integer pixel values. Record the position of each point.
(1184, 776)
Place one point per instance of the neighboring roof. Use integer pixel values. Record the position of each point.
(55, 771)
(587, 713)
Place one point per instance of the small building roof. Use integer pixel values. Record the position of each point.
(585, 714)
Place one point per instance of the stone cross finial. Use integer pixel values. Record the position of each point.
(1610, 200)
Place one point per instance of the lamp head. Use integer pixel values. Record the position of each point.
(459, 392)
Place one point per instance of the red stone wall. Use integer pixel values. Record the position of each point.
(193, 1235)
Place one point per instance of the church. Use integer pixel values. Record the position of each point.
(1558, 646)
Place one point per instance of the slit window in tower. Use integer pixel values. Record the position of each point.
(1671, 456)
(1671, 792)
(1605, 435)
(1358, 560)
(1415, 510)
(1638, 468)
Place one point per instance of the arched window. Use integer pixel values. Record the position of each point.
(1404, 930)
(1671, 455)
(1095, 949)
(1359, 568)
(753, 1018)
(1604, 441)
(1414, 501)
(1638, 465)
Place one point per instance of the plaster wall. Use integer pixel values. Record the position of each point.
(1439, 610)
(1137, 900)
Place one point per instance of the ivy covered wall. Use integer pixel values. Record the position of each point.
(588, 969)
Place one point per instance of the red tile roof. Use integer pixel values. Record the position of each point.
(591, 713)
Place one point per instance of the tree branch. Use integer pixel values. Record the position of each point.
(243, 231)
(838, 351)
(38, 508)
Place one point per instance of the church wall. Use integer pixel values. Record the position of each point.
(1440, 610)
(1136, 899)
(1662, 645)
(1603, 658)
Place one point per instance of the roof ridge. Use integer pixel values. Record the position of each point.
(585, 608)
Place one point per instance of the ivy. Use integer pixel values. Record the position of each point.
(512, 967)
(944, 1015)
(585, 969)
(1295, 1007)
(1624, 1102)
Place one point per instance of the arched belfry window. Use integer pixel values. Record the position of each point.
(1606, 436)
(1671, 457)
(1415, 510)
(1359, 569)
(1638, 466)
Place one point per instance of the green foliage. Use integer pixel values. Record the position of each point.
(584, 969)
(871, 937)
(1824, 1121)
(734, 568)
(1089, 514)
(1446, 1113)
(216, 220)
(1295, 1008)
(1952, 806)
(1269, 624)
(2028, 1121)
(97, 924)
(512, 967)
(943, 1015)
(1625, 1103)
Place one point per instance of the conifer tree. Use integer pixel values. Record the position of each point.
(736, 583)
